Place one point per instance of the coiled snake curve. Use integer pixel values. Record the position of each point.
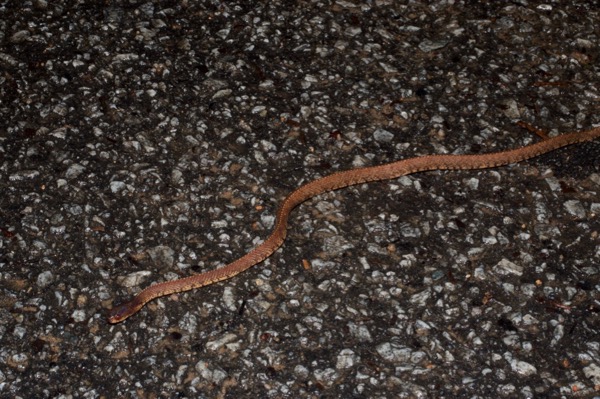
(336, 181)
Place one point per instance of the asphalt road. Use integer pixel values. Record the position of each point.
(145, 141)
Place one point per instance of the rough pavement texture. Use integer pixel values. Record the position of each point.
(143, 141)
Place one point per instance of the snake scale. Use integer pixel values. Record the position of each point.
(336, 181)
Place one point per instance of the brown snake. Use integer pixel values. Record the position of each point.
(336, 181)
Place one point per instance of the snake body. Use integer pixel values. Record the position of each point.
(336, 181)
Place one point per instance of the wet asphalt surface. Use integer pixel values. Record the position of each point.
(145, 141)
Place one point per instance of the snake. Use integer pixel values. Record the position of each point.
(337, 181)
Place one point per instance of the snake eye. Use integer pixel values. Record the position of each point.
(118, 313)
(124, 310)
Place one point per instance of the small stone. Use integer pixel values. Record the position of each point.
(394, 352)
(510, 109)
(44, 279)
(222, 93)
(19, 361)
(301, 371)
(116, 186)
(522, 367)
(79, 316)
(162, 254)
(575, 208)
(74, 171)
(360, 332)
(346, 359)
(20, 36)
(176, 177)
(505, 267)
(431, 45)
(219, 343)
(326, 377)
(215, 375)
(383, 136)
(229, 299)
(592, 372)
(133, 279)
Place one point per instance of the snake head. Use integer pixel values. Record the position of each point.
(123, 311)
